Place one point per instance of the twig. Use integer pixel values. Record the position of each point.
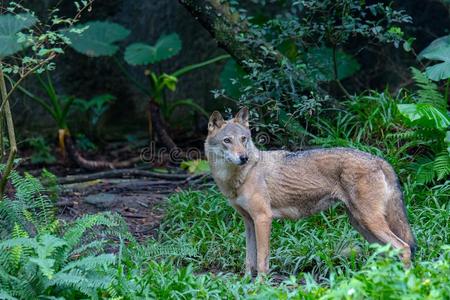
(136, 216)
(16, 84)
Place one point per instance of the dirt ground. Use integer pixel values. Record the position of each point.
(140, 201)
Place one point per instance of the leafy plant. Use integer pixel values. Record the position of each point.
(315, 40)
(96, 38)
(195, 166)
(41, 151)
(94, 109)
(438, 50)
(59, 107)
(429, 119)
(142, 54)
(20, 32)
(45, 258)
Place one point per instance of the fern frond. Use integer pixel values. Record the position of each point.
(428, 91)
(441, 165)
(90, 262)
(91, 248)
(405, 135)
(424, 170)
(77, 280)
(77, 229)
(177, 249)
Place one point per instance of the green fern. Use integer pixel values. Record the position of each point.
(428, 91)
(430, 121)
(441, 165)
(30, 208)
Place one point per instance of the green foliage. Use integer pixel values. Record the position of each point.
(47, 265)
(41, 151)
(324, 257)
(328, 65)
(56, 105)
(429, 120)
(143, 54)
(438, 50)
(317, 41)
(195, 166)
(96, 38)
(92, 111)
(30, 210)
(10, 26)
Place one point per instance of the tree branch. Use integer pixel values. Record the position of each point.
(228, 28)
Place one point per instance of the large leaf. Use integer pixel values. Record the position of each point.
(425, 115)
(143, 54)
(439, 71)
(10, 25)
(97, 38)
(439, 50)
(321, 63)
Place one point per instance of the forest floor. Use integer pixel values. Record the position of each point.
(137, 194)
(139, 201)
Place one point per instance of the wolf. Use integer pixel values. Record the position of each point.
(263, 185)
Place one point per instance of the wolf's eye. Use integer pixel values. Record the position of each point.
(227, 140)
(243, 139)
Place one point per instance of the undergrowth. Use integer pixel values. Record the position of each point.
(199, 252)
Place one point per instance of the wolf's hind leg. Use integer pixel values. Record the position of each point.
(377, 225)
(363, 231)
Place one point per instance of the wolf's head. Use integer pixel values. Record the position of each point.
(229, 140)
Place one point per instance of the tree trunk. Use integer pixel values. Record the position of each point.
(228, 28)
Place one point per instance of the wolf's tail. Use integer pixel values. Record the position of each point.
(395, 209)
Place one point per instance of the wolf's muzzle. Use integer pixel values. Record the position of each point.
(243, 159)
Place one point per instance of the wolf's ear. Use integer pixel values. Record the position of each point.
(215, 121)
(242, 116)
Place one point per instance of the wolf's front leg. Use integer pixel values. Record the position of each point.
(250, 240)
(262, 227)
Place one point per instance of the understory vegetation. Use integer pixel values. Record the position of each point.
(199, 250)
(314, 74)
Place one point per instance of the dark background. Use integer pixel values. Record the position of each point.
(86, 77)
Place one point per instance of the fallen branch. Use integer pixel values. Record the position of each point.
(76, 156)
(120, 173)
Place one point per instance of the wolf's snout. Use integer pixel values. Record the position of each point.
(243, 158)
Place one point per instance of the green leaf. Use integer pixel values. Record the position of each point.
(10, 25)
(320, 60)
(425, 115)
(439, 71)
(439, 49)
(97, 38)
(195, 166)
(143, 54)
